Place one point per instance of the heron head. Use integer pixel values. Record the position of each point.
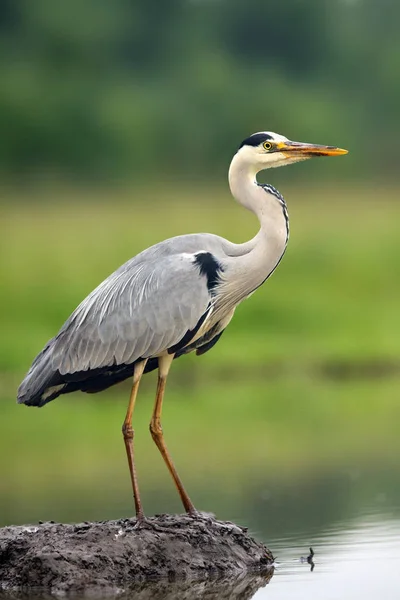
(267, 149)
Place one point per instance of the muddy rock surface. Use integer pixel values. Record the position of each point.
(118, 555)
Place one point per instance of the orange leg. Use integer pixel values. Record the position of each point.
(129, 433)
(164, 363)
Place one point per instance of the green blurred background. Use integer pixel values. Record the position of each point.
(117, 124)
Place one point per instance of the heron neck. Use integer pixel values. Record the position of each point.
(263, 200)
(256, 259)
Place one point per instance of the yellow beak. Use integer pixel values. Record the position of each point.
(308, 150)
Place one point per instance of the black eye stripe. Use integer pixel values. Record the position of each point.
(256, 139)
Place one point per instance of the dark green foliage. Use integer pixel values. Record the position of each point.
(109, 89)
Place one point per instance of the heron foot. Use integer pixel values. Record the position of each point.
(141, 522)
(199, 515)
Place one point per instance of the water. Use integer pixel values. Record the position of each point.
(353, 560)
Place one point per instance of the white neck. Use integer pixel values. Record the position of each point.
(255, 260)
(245, 189)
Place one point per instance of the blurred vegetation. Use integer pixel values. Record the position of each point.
(112, 90)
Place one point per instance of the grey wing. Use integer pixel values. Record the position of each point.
(135, 313)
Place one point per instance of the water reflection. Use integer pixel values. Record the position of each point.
(309, 559)
(242, 588)
(237, 589)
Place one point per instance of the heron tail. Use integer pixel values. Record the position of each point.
(42, 383)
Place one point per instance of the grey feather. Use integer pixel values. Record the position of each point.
(141, 310)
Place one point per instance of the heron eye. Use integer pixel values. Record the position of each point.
(267, 145)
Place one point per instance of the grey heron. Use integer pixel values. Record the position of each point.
(175, 297)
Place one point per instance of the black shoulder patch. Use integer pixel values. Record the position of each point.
(210, 267)
(256, 139)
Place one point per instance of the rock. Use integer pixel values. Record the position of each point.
(117, 555)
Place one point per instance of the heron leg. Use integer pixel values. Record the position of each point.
(164, 363)
(129, 433)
